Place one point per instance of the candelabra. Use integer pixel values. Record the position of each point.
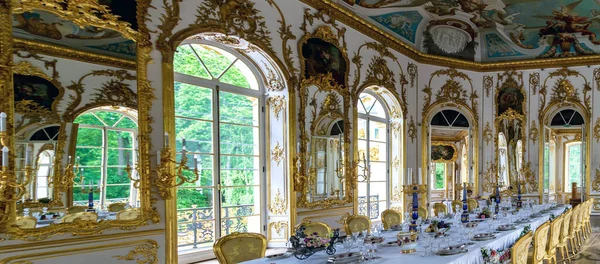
(166, 178)
(90, 189)
(519, 202)
(497, 198)
(134, 178)
(69, 174)
(414, 190)
(464, 217)
(11, 189)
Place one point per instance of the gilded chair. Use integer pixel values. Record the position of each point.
(26, 222)
(520, 250)
(422, 211)
(83, 216)
(76, 209)
(240, 247)
(580, 209)
(322, 229)
(455, 203)
(553, 239)
(540, 243)
(390, 218)
(563, 242)
(586, 216)
(129, 214)
(573, 237)
(440, 209)
(116, 207)
(472, 204)
(357, 223)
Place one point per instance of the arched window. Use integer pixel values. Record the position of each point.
(106, 140)
(219, 111)
(502, 159)
(373, 139)
(44, 172)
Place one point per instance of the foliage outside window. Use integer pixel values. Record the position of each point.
(373, 146)
(439, 176)
(105, 142)
(572, 165)
(217, 111)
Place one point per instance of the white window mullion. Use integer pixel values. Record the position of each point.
(216, 163)
(103, 170)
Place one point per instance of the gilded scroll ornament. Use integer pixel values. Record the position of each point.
(489, 176)
(396, 163)
(597, 130)
(279, 226)
(396, 127)
(379, 73)
(278, 205)
(487, 133)
(277, 153)
(596, 182)
(412, 130)
(412, 73)
(534, 82)
(396, 194)
(597, 78)
(277, 104)
(143, 253)
(274, 83)
(533, 132)
(488, 82)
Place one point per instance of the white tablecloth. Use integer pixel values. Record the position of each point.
(392, 255)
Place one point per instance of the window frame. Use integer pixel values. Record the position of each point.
(566, 178)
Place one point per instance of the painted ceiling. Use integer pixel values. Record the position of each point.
(45, 27)
(489, 30)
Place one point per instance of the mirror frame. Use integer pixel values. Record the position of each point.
(84, 14)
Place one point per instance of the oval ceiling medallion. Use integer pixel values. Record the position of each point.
(450, 39)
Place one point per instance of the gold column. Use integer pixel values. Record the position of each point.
(168, 99)
(7, 103)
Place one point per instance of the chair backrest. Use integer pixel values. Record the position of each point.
(422, 211)
(574, 216)
(520, 249)
(83, 216)
(116, 207)
(26, 222)
(540, 242)
(390, 217)
(472, 204)
(564, 234)
(357, 223)
(76, 209)
(240, 247)
(555, 227)
(322, 229)
(439, 208)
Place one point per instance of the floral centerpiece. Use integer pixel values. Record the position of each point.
(485, 213)
(307, 245)
(491, 256)
(314, 241)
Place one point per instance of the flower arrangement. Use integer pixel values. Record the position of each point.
(491, 256)
(315, 241)
(485, 213)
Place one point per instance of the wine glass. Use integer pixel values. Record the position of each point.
(425, 241)
(348, 244)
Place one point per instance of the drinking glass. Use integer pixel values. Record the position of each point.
(348, 244)
(425, 241)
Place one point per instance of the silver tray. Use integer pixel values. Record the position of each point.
(452, 250)
(506, 228)
(484, 238)
(280, 256)
(345, 258)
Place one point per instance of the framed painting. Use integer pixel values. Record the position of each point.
(37, 90)
(322, 57)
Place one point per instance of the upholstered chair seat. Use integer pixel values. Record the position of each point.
(423, 212)
(390, 218)
(440, 209)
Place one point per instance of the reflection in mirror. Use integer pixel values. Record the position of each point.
(106, 144)
(502, 160)
(327, 160)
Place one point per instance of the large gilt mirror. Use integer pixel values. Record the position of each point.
(510, 132)
(76, 120)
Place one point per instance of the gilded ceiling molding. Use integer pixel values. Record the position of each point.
(487, 133)
(34, 47)
(368, 28)
(146, 253)
(412, 130)
(488, 82)
(278, 205)
(533, 131)
(277, 104)
(32, 55)
(277, 154)
(534, 82)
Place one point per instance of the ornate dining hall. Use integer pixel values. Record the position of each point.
(299, 131)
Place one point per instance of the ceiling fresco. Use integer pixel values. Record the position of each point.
(45, 27)
(489, 30)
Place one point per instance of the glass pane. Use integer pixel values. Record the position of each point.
(440, 175)
(194, 198)
(362, 189)
(109, 118)
(120, 139)
(43, 171)
(377, 110)
(240, 224)
(362, 128)
(186, 62)
(378, 131)
(119, 157)
(378, 191)
(377, 151)
(241, 140)
(240, 75)
(91, 176)
(126, 122)
(88, 119)
(89, 137)
(367, 102)
(193, 101)
(81, 197)
(89, 156)
(205, 170)
(239, 171)
(116, 176)
(574, 165)
(198, 135)
(238, 109)
(378, 171)
(237, 196)
(117, 192)
(215, 59)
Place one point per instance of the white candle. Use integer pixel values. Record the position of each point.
(158, 157)
(166, 140)
(420, 176)
(69, 160)
(28, 155)
(408, 177)
(5, 156)
(2, 122)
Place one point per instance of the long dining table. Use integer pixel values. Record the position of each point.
(392, 254)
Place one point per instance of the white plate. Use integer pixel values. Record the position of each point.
(279, 256)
